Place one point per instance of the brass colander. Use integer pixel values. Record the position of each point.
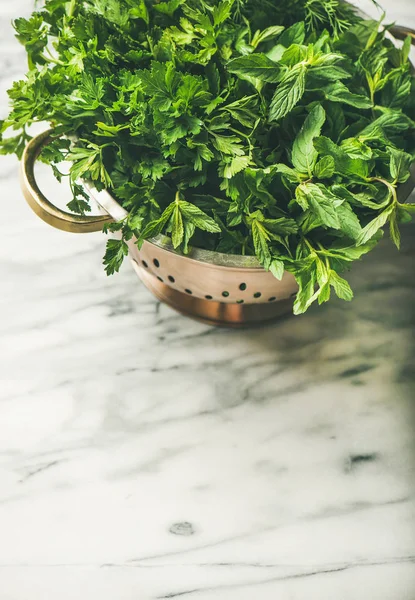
(217, 288)
(213, 287)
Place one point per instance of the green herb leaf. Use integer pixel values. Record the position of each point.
(199, 219)
(394, 230)
(321, 202)
(330, 72)
(266, 34)
(349, 222)
(304, 155)
(277, 268)
(258, 66)
(261, 241)
(338, 92)
(289, 93)
(325, 168)
(400, 165)
(168, 8)
(293, 35)
(343, 164)
(377, 223)
(177, 227)
(117, 250)
(341, 286)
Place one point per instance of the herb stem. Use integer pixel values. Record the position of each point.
(51, 59)
(71, 9)
(311, 248)
(391, 187)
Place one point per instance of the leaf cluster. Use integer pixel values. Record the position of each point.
(241, 126)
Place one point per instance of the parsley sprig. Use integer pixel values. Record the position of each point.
(243, 126)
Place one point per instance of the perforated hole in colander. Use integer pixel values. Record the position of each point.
(239, 288)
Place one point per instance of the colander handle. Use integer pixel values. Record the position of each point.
(401, 32)
(41, 205)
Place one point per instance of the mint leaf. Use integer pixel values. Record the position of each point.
(349, 222)
(277, 268)
(343, 164)
(375, 225)
(391, 121)
(281, 226)
(177, 227)
(293, 35)
(266, 34)
(352, 253)
(289, 173)
(304, 155)
(355, 148)
(330, 72)
(325, 168)
(305, 272)
(394, 230)
(340, 286)
(338, 92)
(258, 66)
(156, 226)
(400, 165)
(199, 219)
(321, 202)
(289, 93)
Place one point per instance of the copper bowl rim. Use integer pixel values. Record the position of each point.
(117, 212)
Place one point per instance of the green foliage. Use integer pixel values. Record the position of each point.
(117, 250)
(255, 66)
(289, 92)
(304, 155)
(277, 128)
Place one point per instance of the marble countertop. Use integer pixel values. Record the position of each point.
(145, 456)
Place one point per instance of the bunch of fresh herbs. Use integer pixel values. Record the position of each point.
(275, 127)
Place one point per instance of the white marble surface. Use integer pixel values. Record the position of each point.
(144, 456)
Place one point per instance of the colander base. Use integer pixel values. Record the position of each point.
(215, 313)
